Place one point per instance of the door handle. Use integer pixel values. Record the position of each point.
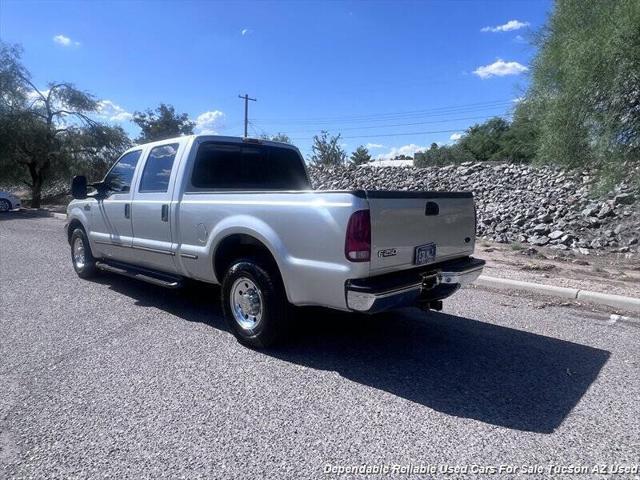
(165, 213)
(127, 210)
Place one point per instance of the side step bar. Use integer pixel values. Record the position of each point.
(156, 278)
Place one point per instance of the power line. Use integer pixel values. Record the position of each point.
(396, 118)
(388, 134)
(399, 124)
(389, 115)
(428, 110)
(255, 129)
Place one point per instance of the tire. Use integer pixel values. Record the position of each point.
(83, 262)
(254, 303)
(5, 205)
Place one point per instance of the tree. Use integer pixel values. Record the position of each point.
(360, 156)
(327, 150)
(437, 156)
(484, 141)
(584, 94)
(44, 132)
(520, 143)
(162, 123)
(278, 137)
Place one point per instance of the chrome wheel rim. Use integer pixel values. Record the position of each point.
(246, 303)
(78, 252)
(4, 206)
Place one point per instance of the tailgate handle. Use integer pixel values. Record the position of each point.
(431, 208)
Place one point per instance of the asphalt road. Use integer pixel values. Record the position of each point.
(119, 379)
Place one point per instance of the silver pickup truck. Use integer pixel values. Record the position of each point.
(241, 213)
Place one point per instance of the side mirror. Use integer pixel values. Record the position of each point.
(79, 187)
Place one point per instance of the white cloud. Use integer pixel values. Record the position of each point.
(507, 27)
(455, 136)
(113, 112)
(62, 40)
(500, 68)
(245, 31)
(35, 97)
(65, 41)
(374, 145)
(208, 123)
(409, 150)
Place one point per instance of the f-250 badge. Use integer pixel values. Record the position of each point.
(387, 252)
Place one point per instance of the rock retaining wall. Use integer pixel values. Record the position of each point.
(543, 206)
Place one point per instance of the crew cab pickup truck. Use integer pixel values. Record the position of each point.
(242, 213)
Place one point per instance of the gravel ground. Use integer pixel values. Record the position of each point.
(611, 273)
(118, 379)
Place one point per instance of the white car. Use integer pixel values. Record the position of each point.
(8, 201)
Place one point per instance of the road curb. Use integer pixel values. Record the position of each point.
(616, 301)
(59, 216)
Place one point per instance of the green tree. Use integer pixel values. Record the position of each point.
(162, 123)
(584, 94)
(327, 150)
(45, 133)
(360, 155)
(484, 141)
(437, 156)
(520, 143)
(278, 137)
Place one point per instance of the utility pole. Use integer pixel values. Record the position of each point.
(246, 111)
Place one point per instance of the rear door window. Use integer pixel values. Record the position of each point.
(157, 170)
(248, 167)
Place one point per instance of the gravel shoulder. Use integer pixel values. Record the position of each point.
(605, 272)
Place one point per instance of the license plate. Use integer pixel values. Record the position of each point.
(425, 254)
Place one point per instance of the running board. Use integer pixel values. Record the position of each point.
(155, 278)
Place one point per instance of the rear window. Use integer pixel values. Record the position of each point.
(248, 167)
(157, 170)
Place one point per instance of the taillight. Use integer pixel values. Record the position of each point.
(357, 244)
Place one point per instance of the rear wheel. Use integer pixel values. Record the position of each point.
(254, 303)
(5, 205)
(83, 262)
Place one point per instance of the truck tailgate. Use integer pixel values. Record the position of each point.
(402, 221)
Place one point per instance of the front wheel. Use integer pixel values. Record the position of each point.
(5, 205)
(83, 262)
(254, 303)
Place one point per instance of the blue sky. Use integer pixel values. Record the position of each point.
(393, 75)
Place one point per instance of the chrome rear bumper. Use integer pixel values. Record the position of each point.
(430, 283)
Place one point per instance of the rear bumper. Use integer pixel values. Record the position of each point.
(411, 287)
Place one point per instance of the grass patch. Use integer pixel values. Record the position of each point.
(532, 267)
(516, 246)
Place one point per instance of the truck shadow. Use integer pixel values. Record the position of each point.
(24, 215)
(455, 365)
